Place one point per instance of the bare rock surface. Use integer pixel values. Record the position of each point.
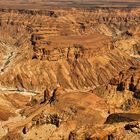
(69, 73)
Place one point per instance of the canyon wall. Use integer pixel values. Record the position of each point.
(69, 74)
(51, 41)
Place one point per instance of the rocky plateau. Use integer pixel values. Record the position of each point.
(70, 74)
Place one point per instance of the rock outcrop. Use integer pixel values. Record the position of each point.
(69, 74)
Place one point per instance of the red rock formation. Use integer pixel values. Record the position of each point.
(76, 66)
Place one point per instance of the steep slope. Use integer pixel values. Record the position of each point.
(66, 74)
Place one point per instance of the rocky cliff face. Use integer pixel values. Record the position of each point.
(43, 34)
(80, 68)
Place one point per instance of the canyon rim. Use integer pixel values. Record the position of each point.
(69, 70)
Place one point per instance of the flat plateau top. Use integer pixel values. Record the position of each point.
(44, 4)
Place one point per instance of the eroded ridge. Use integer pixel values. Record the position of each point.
(69, 74)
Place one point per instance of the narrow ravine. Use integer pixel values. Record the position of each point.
(8, 57)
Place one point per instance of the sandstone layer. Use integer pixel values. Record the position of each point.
(70, 74)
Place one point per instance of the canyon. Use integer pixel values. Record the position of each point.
(70, 74)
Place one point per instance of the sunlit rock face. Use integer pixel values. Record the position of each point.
(69, 73)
